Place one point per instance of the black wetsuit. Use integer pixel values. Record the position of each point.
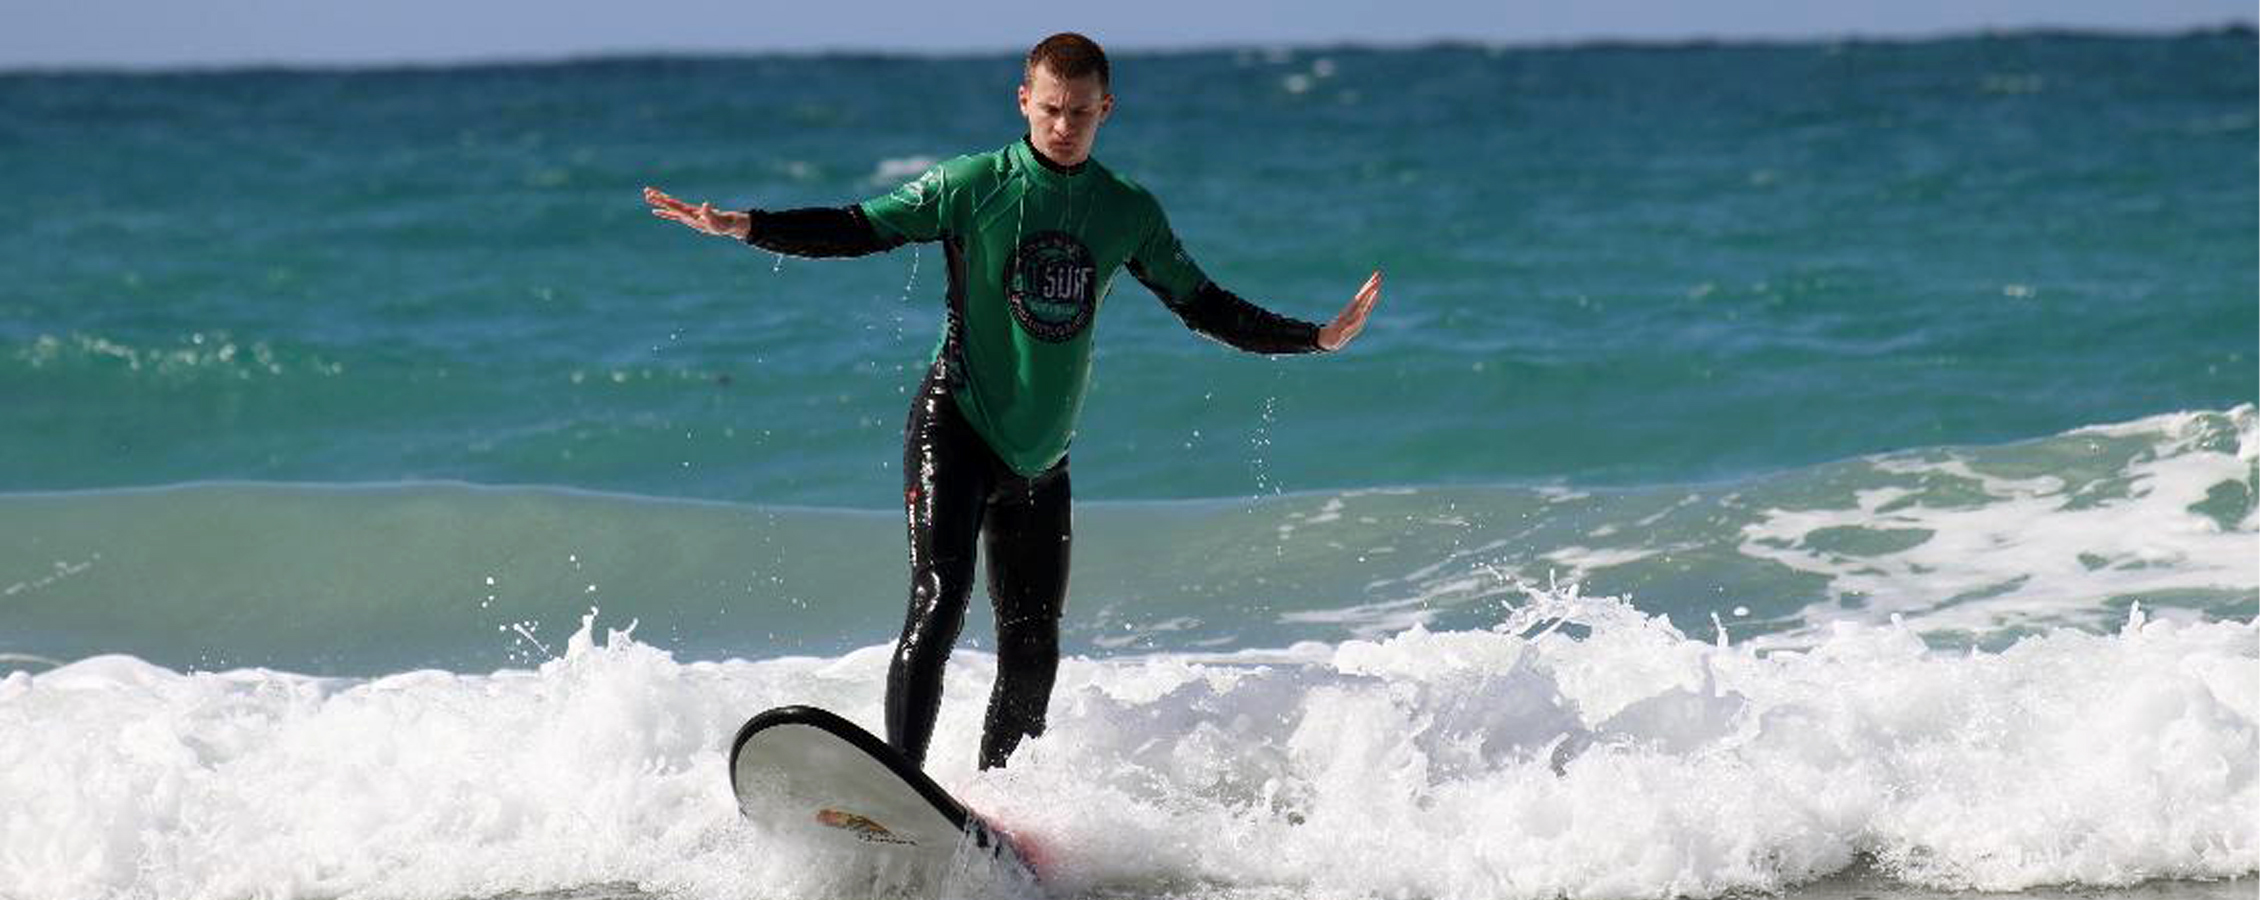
(1031, 248)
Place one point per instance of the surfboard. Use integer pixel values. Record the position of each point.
(807, 774)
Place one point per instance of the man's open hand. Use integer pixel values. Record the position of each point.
(703, 217)
(1334, 334)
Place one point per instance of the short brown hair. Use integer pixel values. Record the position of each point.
(1069, 55)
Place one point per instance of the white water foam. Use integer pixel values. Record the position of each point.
(1580, 749)
(2004, 550)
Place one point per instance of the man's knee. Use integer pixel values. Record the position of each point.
(1029, 641)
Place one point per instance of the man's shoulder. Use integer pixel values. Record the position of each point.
(949, 176)
(1126, 190)
(971, 168)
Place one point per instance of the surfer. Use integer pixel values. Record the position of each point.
(1034, 233)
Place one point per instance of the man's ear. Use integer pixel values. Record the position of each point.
(1023, 93)
(1106, 107)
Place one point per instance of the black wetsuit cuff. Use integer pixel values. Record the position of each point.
(815, 232)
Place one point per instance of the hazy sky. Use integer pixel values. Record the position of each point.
(144, 33)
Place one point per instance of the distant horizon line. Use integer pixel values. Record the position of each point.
(1128, 49)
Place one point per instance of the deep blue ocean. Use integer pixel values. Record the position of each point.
(1825, 466)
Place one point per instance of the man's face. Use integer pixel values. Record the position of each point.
(1064, 114)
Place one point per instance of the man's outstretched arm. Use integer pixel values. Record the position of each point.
(1162, 265)
(814, 232)
(1223, 316)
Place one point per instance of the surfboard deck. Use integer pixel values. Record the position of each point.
(807, 772)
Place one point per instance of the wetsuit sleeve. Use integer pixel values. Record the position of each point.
(1163, 266)
(912, 212)
(816, 232)
(1222, 316)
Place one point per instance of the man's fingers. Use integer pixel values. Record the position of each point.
(703, 217)
(656, 198)
(1369, 290)
(1366, 297)
(673, 216)
(1351, 321)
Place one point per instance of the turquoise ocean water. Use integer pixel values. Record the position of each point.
(1810, 466)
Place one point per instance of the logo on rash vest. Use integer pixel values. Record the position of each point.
(917, 191)
(1052, 286)
(862, 827)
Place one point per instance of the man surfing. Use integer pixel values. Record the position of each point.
(1033, 231)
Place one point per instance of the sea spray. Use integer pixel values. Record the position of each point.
(1580, 748)
(1634, 761)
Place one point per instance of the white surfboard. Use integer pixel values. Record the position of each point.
(809, 774)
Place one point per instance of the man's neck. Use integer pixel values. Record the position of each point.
(1048, 162)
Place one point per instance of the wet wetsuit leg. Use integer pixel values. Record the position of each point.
(1028, 537)
(947, 477)
(958, 492)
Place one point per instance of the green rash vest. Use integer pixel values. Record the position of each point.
(1033, 250)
